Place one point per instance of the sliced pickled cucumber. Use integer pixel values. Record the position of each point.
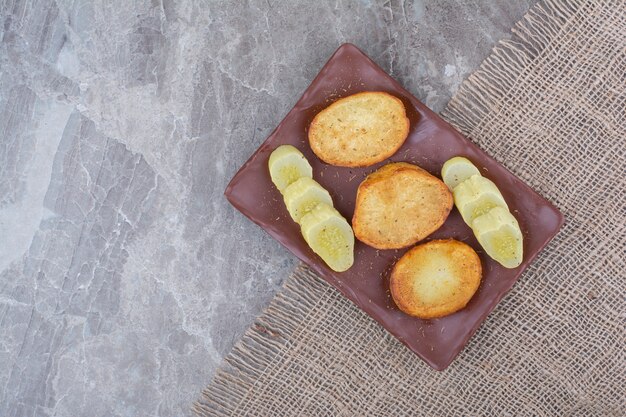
(330, 236)
(476, 196)
(303, 195)
(499, 234)
(287, 164)
(456, 170)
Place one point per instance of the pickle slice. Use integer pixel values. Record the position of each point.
(499, 234)
(456, 170)
(330, 236)
(476, 196)
(303, 195)
(287, 165)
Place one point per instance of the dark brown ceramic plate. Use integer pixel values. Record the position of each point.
(430, 143)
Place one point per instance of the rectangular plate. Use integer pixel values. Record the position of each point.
(430, 143)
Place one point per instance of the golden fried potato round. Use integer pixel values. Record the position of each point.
(435, 279)
(390, 168)
(399, 205)
(359, 130)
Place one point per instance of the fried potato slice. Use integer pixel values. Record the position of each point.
(385, 170)
(359, 130)
(399, 205)
(436, 278)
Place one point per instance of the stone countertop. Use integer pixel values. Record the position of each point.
(125, 276)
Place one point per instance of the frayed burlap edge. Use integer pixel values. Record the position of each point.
(481, 92)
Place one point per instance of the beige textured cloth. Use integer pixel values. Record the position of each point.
(550, 105)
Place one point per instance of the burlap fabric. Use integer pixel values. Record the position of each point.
(550, 105)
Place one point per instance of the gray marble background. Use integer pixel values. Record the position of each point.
(125, 276)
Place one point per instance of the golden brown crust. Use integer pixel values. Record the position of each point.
(399, 205)
(435, 279)
(359, 130)
(391, 167)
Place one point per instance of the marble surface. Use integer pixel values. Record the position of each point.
(125, 276)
